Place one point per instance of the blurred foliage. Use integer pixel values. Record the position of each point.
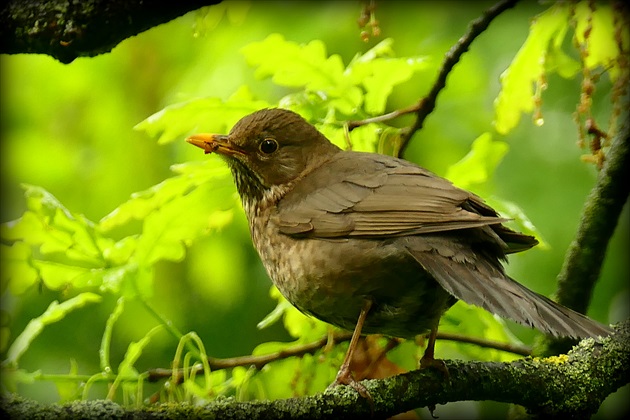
(157, 252)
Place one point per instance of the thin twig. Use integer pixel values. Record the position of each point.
(385, 117)
(426, 105)
(300, 350)
(521, 350)
(475, 28)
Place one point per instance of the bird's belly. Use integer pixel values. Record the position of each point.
(331, 279)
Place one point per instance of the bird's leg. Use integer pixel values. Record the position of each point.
(344, 376)
(428, 359)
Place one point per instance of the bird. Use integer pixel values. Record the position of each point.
(372, 243)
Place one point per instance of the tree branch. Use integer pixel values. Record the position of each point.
(66, 30)
(572, 385)
(601, 212)
(426, 105)
(300, 350)
(452, 57)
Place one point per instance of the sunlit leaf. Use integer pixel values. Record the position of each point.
(297, 324)
(523, 223)
(406, 355)
(200, 115)
(126, 369)
(52, 227)
(18, 272)
(382, 49)
(57, 275)
(479, 164)
(105, 363)
(56, 311)
(134, 351)
(294, 65)
(275, 315)
(191, 175)
(601, 45)
(517, 82)
(167, 230)
(560, 62)
(381, 75)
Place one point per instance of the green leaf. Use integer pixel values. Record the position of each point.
(126, 369)
(191, 175)
(602, 46)
(134, 351)
(57, 275)
(56, 311)
(407, 355)
(517, 82)
(167, 230)
(106, 340)
(524, 224)
(52, 227)
(305, 66)
(275, 315)
(380, 75)
(294, 65)
(200, 115)
(5, 331)
(18, 272)
(479, 164)
(60, 248)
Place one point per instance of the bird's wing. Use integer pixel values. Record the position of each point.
(378, 196)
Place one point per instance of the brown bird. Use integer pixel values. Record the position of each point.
(372, 243)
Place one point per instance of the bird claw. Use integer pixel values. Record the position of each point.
(344, 377)
(438, 364)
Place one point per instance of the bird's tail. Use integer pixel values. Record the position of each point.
(482, 282)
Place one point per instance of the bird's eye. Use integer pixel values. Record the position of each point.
(268, 146)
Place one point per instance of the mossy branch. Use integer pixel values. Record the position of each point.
(600, 215)
(66, 30)
(567, 386)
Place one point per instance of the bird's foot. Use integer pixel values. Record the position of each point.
(438, 364)
(344, 377)
(428, 361)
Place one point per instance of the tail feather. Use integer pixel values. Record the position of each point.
(481, 282)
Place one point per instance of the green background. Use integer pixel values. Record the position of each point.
(69, 129)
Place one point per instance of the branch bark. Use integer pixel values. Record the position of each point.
(601, 212)
(66, 30)
(567, 386)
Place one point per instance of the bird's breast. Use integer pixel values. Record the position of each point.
(330, 279)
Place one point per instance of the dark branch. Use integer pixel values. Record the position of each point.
(599, 219)
(66, 30)
(302, 349)
(452, 57)
(601, 212)
(570, 386)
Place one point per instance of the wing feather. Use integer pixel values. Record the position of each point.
(378, 197)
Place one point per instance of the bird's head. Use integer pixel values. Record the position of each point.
(268, 148)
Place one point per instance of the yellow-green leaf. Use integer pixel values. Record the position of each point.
(517, 82)
(56, 311)
(479, 164)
